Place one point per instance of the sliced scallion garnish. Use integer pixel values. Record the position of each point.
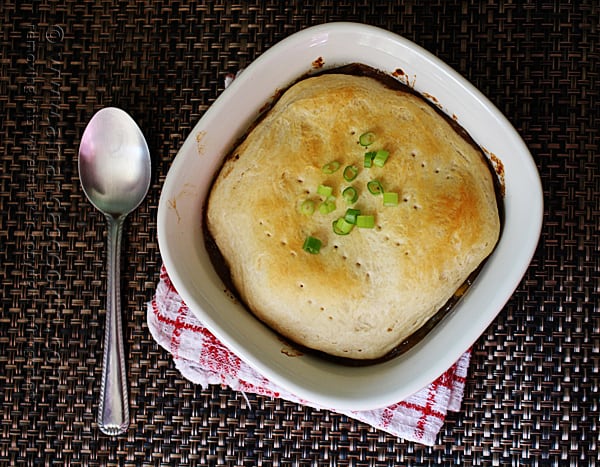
(351, 215)
(366, 221)
(350, 173)
(390, 199)
(380, 157)
(350, 195)
(375, 187)
(325, 190)
(342, 227)
(307, 207)
(312, 245)
(366, 139)
(327, 206)
(331, 167)
(368, 160)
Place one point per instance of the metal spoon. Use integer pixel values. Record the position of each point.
(114, 168)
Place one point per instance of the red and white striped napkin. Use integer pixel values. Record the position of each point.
(204, 360)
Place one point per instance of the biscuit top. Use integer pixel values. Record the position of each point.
(367, 291)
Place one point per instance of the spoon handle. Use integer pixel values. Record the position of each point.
(113, 410)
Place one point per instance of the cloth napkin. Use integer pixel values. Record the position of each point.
(204, 360)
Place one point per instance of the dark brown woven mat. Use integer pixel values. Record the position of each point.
(532, 393)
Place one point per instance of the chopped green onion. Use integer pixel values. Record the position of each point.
(350, 195)
(325, 190)
(365, 221)
(368, 161)
(351, 215)
(312, 245)
(380, 157)
(331, 167)
(375, 187)
(390, 199)
(327, 206)
(366, 139)
(342, 227)
(350, 173)
(307, 207)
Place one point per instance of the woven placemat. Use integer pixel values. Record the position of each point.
(532, 392)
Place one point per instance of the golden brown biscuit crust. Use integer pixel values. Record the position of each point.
(367, 291)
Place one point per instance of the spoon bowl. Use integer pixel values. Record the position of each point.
(114, 162)
(114, 169)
